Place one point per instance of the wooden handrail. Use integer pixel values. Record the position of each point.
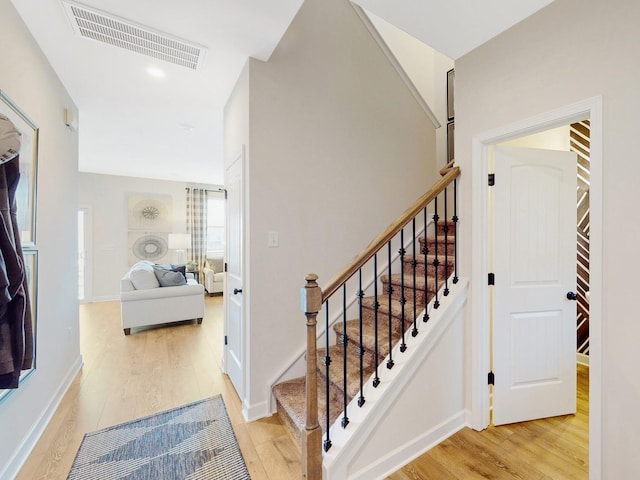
(449, 173)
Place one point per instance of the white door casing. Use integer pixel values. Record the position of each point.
(534, 337)
(234, 312)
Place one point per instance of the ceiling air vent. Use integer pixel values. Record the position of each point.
(103, 27)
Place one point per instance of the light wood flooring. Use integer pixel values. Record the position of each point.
(151, 370)
(554, 448)
(124, 378)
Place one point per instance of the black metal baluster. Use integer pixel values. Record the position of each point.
(425, 251)
(403, 300)
(327, 362)
(345, 341)
(414, 263)
(390, 362)
(455, 231)
(446, 246)
(361, 347)
(436, 303)
(376, 306)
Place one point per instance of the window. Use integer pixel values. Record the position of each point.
(215, 222)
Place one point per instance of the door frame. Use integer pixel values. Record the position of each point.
(241, 158)
(480, 304)
(87, 212)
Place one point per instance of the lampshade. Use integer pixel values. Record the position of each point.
(179, 241)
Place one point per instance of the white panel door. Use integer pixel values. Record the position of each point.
(234, 325)
(534, 323)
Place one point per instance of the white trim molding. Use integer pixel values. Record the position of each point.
(396, 64)
(592, 109)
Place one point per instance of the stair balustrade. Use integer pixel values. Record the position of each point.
(364, 332)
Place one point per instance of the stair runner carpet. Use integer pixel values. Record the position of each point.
(290, 395)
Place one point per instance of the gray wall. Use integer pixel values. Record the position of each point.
(338, 148)
(570, 51)
(28, 79)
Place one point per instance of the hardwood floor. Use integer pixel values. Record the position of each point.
(549, 449)
(154, 369)
(124, 378)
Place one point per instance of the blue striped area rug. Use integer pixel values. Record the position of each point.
(195, 441)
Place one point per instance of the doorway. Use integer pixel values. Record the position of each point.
(84, 254)
(480, 304)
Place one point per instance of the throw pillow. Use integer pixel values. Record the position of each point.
(174, 268)
(142, 277)
(169, 278)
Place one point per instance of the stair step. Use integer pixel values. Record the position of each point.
(431, 269)
(368, 311)
(421, 292)
(336, 371)
(445, 244)
(368, 337)
(441, 228)
(290, 401)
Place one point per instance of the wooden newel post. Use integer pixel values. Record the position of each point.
(311, 297)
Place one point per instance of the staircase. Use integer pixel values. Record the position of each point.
(351, 340)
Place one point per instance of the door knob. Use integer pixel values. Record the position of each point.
(572, 296)
(237, 291)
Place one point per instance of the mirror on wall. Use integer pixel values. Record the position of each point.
(18, 248)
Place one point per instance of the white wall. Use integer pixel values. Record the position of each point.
(427, 68)
(106, 196)
(570, 51)
(338, 149)
(29, 80)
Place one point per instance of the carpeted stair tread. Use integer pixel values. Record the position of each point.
(420, 261)
(396, 307)
(336, 370)
(368, 335)
(396, 281)
(291, 396)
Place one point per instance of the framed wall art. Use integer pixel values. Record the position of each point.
(26, 191)
(451, 76)
(451, 132)
(149, 212)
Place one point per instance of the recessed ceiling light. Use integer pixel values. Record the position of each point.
(156, 72)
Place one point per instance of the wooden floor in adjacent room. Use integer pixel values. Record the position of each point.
(155, 369)
(554, 448)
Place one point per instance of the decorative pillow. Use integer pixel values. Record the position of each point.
(142, 276)
(174, 268)
(169, 278)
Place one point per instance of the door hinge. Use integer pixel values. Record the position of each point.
(491, 379)
(225, 194)
(225, 266)
(492, 179)
(492, 279)
(226, 342)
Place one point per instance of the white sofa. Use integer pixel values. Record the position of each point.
(151, 304)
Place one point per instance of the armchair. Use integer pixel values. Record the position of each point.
(214, 275)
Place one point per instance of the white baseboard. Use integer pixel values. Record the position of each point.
(15, 463)
(255, 412)
(582, 359)
(398, 458)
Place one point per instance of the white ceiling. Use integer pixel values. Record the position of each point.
(134, 124)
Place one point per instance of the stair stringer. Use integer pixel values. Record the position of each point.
(418, 404)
